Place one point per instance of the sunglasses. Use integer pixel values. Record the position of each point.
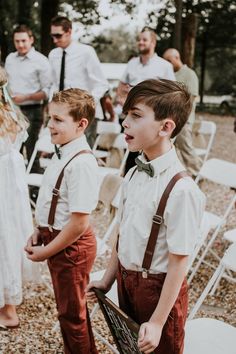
(57, 35)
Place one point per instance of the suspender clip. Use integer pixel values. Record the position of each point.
(157, 219)
(144, 273)
(50, 228)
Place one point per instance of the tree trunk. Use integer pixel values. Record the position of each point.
(49, 9)
(178, 25)
(203, 66)
(24, 12)
(189, 31)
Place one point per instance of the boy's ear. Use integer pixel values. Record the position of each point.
(167, 127)
(83, 123)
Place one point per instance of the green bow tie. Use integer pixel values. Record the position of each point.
(146, 167)
(58, 152)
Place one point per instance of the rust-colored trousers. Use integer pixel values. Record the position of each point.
(70, 270)
(138, 297)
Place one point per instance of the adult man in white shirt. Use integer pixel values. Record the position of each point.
(148, 65)
(76, 65)
(184, 141)
(29, 80)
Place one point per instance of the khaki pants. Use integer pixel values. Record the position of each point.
(138, 297)
(70, 270)
(186, 151)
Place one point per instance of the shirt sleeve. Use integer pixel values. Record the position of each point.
(125, 77)
(45, 76)
(83, 187)
(98, 83)
(193, 83)
(183, 215)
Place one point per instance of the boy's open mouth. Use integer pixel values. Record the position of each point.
(128, 138)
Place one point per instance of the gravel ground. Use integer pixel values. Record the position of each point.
(37, 313)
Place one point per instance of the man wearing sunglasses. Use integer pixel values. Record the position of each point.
(76, 65)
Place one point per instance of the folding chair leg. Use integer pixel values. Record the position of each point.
(217, 281)
(206, 291)
(103, 340)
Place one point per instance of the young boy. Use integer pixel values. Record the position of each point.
(62, 213)
(152, 287)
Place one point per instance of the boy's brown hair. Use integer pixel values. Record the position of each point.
(80, 103)
(167, 98)
(62, 21)
(23, 29)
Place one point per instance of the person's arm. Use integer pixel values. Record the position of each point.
(150, 332)
(36, 96)
(76, 226)
(107, 280)
(122, 92)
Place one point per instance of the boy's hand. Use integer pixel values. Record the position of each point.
(149, 337)
(99, 284)
(34, 240)
(36, 253)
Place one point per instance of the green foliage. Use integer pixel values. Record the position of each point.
(111, 47)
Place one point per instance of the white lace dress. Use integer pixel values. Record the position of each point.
(15, 223)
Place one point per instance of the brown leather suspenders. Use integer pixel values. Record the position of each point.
(156, 223)
(55, 191)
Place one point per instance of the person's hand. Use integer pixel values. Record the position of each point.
(149, 336)
(34, 240)
(99, 284)
(36, 253)
(19, 98)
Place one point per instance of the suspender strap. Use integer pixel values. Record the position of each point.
(55, 191)
(157, 221)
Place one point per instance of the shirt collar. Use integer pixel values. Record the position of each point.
(149, 60)
(163, 162)
(29, 55)
(70, 47)
(74, 146)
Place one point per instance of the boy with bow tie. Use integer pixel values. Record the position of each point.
(68, 194)
(160, 215)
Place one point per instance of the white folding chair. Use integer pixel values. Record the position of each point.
(230, 235)
(111, 187)
(120, 144)
(227, 263)
(43, 144)
(209, 336)
(207, 128)
(104, 128)
(223, 173)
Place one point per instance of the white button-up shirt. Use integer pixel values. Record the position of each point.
(82, 70)
(28, 74)
(79, 187)
(182, 217)
(155, 68)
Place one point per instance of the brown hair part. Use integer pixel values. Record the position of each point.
(23, 29)
(168, 99)
(62, 21)
(81, 104)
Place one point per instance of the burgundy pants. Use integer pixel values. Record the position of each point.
(70, 270)
(138, 297)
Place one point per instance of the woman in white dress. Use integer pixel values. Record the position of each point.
(15, 214)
